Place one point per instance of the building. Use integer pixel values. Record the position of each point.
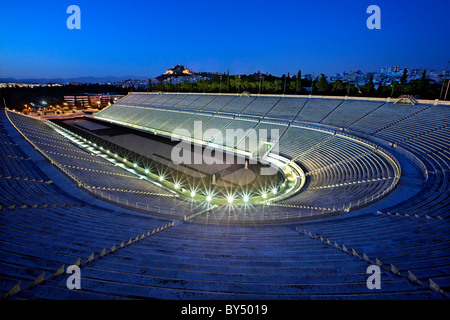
(92, 100)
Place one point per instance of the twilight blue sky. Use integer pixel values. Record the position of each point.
(145, 38)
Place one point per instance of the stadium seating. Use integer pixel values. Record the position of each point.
(227, 263)
(317, 109)
(389, 239)
(105, 178)
(350, 111)
(334, 227)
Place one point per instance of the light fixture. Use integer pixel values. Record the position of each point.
(134, 165)
(161, 178)
(176, 186)
(245, 199)
(230, 199)
(208, 198)
(274, 190)
(264, 195)
(192, 194)
(147, 171)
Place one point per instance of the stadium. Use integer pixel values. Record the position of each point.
(304, 195)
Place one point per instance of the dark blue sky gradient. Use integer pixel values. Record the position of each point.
(145, 38)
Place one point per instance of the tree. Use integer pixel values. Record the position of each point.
(234, 83)
(237, 82)
(370, 87)
(394, 88)
(185, 86)
(204, 84)
(149, 85)
(322, 84)
(160, 86)
(292, 87)
(404, 78)
(220, 82)
(423, 84)
(298, 84)
(169, 85)
(351, 89)
(277, 85)
(283, 81)
(338, 87)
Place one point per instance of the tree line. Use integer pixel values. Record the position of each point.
(287, 84)
(16, 97)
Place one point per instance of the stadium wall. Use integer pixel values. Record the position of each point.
(388, 99)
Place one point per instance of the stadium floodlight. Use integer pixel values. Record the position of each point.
(176, 186)
(147, 171)
(208, 198)
(115, 155)
(230, 199)
(161, 178)
(264, 195)
(192, 194)
(274, 190)
(246, 199)
(124, 159)
(134, 165)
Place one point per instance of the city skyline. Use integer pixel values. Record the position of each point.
(242, 37)
(387, 74)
